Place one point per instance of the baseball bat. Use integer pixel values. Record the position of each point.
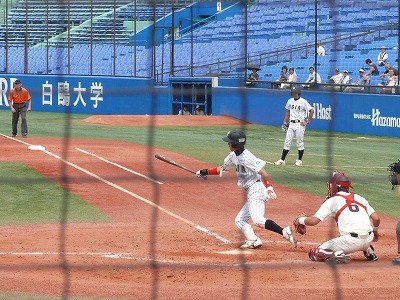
(174, 163)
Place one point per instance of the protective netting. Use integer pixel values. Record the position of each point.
(180, 247)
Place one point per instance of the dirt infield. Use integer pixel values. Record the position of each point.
(174, 235)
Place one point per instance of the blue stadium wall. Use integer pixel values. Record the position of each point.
(353, 113)
(339, 112)
(90, 94)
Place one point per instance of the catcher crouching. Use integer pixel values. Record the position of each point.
(353, 215)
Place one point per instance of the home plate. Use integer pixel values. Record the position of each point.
(236, 251)
(36, 147)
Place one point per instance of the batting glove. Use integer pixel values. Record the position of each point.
(201, 173)
(271, 192)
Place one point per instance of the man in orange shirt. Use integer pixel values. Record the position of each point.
(18, 97)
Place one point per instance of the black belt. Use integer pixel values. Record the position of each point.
(295, 121)
(259, 180)
(356, 235)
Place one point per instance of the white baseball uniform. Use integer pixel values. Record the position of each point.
(299, 110)
(247, 168)
(356, 232)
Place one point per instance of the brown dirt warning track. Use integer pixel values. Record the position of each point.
(174, 235)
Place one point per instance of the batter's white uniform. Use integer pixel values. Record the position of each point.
(299, 110)
(247, 168)
(353, 222)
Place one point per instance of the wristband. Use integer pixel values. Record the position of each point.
(301, 220)
(267, 181)
(213, 171)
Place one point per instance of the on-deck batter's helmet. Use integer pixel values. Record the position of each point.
(236, 137)
(338, 181)
(295, 89)
(394, 169)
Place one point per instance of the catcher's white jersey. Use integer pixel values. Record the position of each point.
(353, 218)
(247, 167)
(298, 108)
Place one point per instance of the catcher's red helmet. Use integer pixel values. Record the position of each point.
(338, 181)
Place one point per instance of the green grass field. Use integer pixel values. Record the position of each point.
(363, 158)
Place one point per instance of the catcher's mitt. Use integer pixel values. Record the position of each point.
(285, 127)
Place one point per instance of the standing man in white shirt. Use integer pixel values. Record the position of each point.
(299, 114)
(320, 49)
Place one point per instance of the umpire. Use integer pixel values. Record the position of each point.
(394, 178)
(18, 97)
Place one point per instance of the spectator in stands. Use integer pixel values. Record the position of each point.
(320, 49)
(346, 78)
(386, 73)
(291, 78)
(382, 57)
(358, 86)
(253, 76)
(198, 111)
(391, 81)
(283, 76)
(373, 69)
(335, 79)
(184, 111)
(312, 79)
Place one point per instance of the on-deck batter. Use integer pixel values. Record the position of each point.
(299, 114)
(253, 178)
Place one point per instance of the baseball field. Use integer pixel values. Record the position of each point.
(91, 214)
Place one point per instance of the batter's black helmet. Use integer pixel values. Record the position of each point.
(338, 181)
(295, 89)
(236, 137)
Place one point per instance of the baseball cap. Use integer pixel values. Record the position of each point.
(345, 71)
(383, 47)
(17, 81)
(337, 69)
(197, 106)
(361, 70)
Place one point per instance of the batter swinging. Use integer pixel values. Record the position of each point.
(253, 178)
(301, 114)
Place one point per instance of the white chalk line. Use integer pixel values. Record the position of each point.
(117, 165)
(198, 227)
(130, 256)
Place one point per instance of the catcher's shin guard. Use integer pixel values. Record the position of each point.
(319, 254)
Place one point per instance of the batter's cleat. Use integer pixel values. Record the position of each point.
(396, 261)
(370, 254)
(252, 244)
(279, 162)
(338, 257)
(288, 234)
(298, 163)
